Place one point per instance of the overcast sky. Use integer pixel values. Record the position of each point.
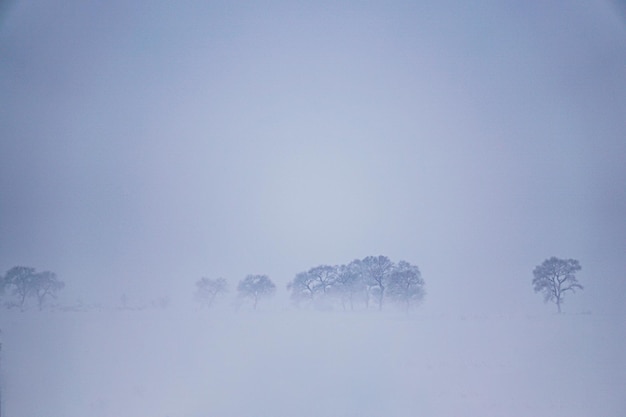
(145, 144)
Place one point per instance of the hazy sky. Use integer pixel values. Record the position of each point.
(145, 144)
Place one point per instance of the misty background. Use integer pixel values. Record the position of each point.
(144, 145)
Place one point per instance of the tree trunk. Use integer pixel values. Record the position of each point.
(23, 301)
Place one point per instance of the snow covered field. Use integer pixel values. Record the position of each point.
(200, 364)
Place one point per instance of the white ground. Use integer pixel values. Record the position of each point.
(162, 363)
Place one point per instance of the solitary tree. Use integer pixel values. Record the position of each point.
(554, 277)
(207, 290)
(406, 285)
(256, 287)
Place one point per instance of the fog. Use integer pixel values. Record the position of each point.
(145, 145)
(310, 364)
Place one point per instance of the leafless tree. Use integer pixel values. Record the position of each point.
(554, 277)
(406, 285)
(377, 270)
(207, 290)
(302, 288)
(256, 287)
(19, 279)
(349, 283)
(25, 282)
(45, 284)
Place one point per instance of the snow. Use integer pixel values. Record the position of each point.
(207, 363)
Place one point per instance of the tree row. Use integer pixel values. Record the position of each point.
(356, 285)
(361, 284)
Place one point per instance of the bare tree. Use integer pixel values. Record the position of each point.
(377, 270)
(20, 279)
(302, 288)
(406, 285)
(324, 276)
(554, 277)
(25, 283)
(313, 286)
(256, 287)
(207, 290)
(349, 283)
(45, 284)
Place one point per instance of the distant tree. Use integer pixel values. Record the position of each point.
(324, 277)
(45, 284)
(554, 277)
(406, 285)
(349, 283)
(377, 270)
(25, 282)
(313, 285)
(207, 290)
(161, 303)
(124, 302)
(19, 279)
(256, 287)
(302, 288)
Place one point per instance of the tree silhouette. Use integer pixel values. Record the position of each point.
(554, 277)
(207, 290)
(256, 287)
(377, 270)
(406, 285)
